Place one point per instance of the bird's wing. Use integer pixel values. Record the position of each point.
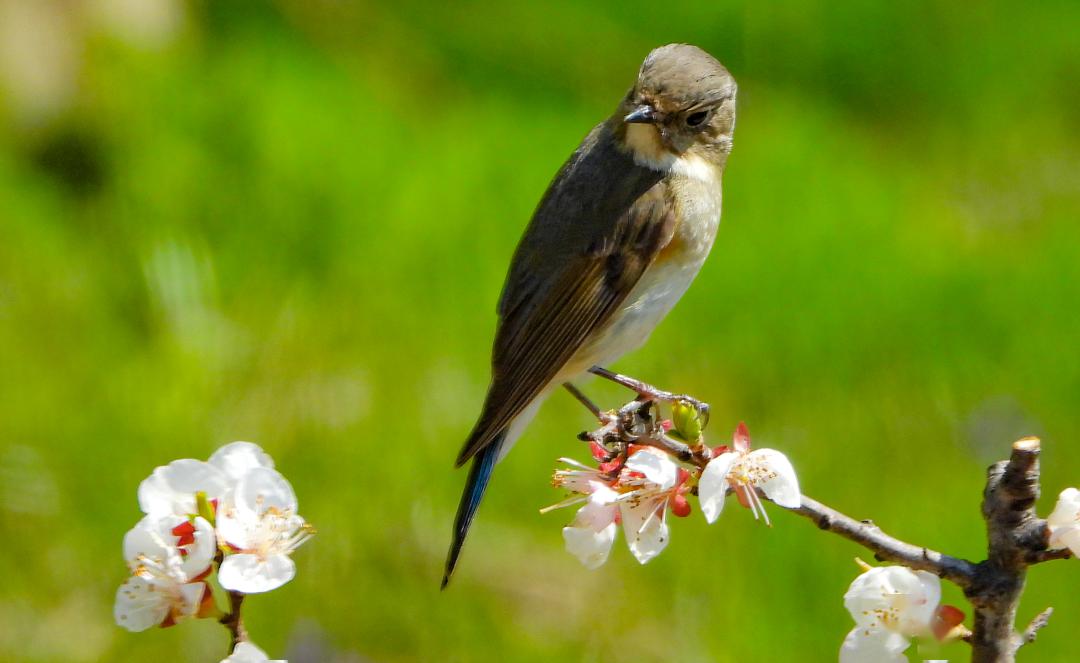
(599, 226)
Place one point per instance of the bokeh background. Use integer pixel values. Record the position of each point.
(289, 221)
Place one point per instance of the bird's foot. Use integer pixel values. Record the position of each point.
(648, 393)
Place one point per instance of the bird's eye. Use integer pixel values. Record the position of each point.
(695, 119)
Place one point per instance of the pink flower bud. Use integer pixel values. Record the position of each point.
(680, 506)
(186, 532)
(946, 619)
(741, 439)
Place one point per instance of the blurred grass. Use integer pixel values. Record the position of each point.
(290, 224)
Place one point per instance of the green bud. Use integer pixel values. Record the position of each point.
(687, 421)
(203, 507)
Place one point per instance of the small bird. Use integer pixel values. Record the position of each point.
(616, 240)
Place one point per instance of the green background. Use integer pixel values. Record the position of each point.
(289, 223)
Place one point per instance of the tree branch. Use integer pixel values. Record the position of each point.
(1017, 537)
(1014, 533)
(887, 548)
(233, 620)
(1040, 556)
(1037, 624)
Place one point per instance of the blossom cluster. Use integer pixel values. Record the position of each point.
(233, 511)
(638, 485)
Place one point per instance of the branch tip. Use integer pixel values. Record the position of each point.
(1038, 623)
(1027, 444)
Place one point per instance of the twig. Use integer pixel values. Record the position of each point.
(887, 548)
(680, 450)
(584, 400)
(1040, 556)
(1037, 624)
(233, 620)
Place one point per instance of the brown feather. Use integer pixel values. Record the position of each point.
(599, 226)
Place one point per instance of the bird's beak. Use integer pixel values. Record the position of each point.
(643, 114)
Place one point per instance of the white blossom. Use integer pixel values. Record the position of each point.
(163, 588)
(172, 488)
(590, 536)
(258, 520)
(866, 645)
(247, 652)
(579, 479)
(651, 476)
(191, 540)
(745, 471)
(638, 495)
(1064, 521)
(889, 604)
(237, 458)
(145, 601)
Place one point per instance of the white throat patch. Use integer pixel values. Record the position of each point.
(643, 141)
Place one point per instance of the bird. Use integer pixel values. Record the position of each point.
(615, 241)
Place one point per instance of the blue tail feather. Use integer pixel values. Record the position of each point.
(479, 475)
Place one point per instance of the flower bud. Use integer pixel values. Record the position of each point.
(205, 507)
(687, 421)
(948, 623)
(680, 506)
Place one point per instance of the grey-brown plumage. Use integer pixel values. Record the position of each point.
(626, 205)
(592, 236)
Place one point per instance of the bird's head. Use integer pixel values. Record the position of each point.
(682, 105)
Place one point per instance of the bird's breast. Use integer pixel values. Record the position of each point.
(697, 196)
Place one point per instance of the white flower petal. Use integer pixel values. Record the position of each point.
(907, 599)
(247, 652)
(712, 489)
(153, 538)
(601, 493)
(262, 489)
(1064, 521)
(234, 526)
(236, 458)
(145, 539)
(140, 604)
(599, 511)
(591, 547)
(1066, 537)
(918, 619)
(1067, 509)
(252, 574)
(778, 480)
(155, 496)
(171, 488)
(645, 526)
(191, 596)
(657, 466)
(259, 516)
(873, 645)
(200, 553)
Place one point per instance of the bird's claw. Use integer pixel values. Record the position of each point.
(658, 395)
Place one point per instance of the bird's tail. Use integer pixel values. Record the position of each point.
(479, 476)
